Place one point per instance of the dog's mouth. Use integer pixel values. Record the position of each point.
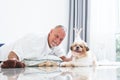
(77, 51)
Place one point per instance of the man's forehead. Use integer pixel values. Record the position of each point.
(59, 31)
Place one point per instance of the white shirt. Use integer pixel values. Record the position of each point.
(31, 46)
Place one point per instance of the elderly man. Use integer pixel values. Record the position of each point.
(35, 46)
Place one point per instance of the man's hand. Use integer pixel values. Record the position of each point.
(12, 64)
(65, 59)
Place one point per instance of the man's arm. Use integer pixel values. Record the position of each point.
(12, 56)
(64, 58)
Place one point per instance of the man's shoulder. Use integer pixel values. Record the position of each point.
(58, 49)
(35, 35)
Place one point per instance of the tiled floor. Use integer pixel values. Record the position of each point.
(60, 73)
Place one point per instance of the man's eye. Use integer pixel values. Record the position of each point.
(61, 39)
(56, 36)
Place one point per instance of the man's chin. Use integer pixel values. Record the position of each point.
(52, 46)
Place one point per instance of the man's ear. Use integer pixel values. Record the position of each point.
(51, 31)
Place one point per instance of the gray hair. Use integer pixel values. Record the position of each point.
(61, 26)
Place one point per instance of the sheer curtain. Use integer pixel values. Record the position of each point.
(77, 19)
(103, 20)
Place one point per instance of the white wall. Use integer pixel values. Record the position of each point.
(103, 23)
(118, 28)
(19, 17)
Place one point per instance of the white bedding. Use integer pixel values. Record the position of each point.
(35, 62)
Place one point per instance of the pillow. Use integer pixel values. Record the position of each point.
(47, 59)
(1, 44)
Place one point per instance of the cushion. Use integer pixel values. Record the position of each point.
(1, 44)
(47, 59)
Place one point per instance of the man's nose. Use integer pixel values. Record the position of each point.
(57, 41)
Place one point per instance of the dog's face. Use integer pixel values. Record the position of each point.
(79, 49)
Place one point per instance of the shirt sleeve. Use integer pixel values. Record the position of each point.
(18, 46)
(58, 51)
(18, 50)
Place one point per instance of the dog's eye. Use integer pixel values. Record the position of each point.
(81, 46)
(75, 45)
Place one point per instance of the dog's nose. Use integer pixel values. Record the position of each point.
(77, 47)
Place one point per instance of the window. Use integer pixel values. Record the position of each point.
(103, 21)
(118, 35)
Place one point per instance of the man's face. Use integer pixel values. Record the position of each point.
(56, 36)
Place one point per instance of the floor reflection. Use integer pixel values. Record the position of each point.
(61, 73)
(11, 74)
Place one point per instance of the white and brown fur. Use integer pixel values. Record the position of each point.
(82, 56)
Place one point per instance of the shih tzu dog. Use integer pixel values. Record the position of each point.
(82, 56)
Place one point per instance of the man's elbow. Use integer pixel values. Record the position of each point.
(12, 56)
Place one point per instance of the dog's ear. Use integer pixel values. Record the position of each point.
(70, 47)
(87, 48)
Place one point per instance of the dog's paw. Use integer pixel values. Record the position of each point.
(63, 64)
(67, 64)
(48, 64)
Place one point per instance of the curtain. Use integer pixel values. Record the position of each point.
(77, 19)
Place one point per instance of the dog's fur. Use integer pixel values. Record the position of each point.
(48, 64)
(81, 55)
